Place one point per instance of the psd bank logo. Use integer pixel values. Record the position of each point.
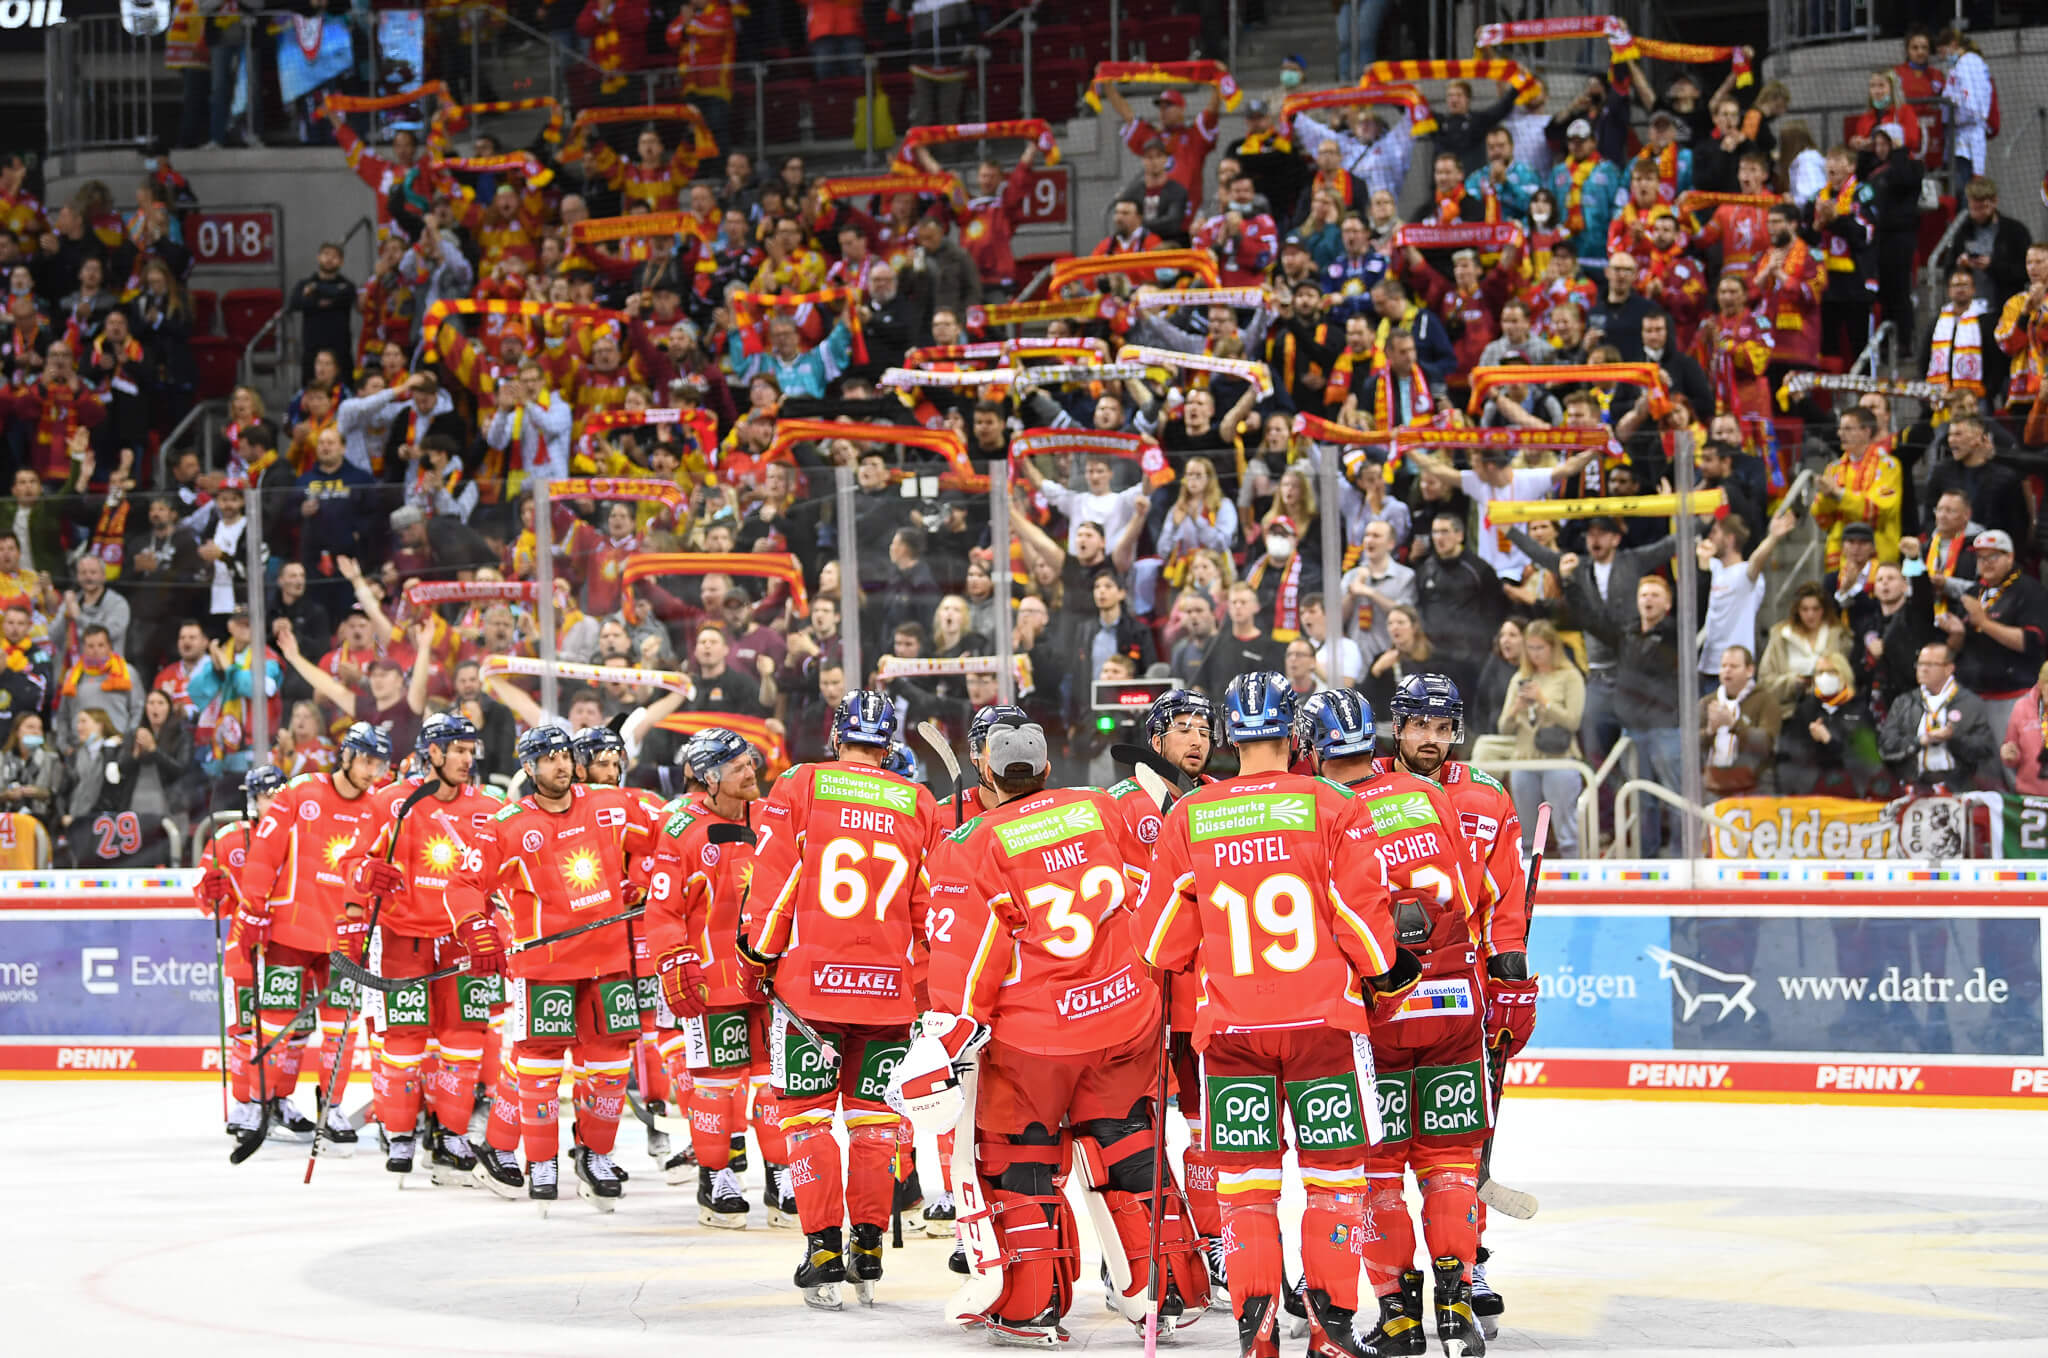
(96, 970)
(1699, 984)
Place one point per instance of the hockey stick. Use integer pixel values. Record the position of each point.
(1153, 1288)
(1143, 761)
(936, 738)
(363, 976)
(221, 991)
(1495, 1194)
(342, 1054)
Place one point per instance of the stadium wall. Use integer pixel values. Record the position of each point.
(1792, 982)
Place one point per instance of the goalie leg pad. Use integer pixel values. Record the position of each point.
(1041, 1259)
(1116, 1154)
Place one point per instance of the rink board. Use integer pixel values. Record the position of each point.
(1786, 982)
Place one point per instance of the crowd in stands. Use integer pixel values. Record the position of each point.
(1909, 655)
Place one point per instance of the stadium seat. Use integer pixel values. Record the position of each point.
(1005, 93)
(244, 310)
(831, 103)
(205, 310)
(1166, 39)
(1058, 85)
(218, 361)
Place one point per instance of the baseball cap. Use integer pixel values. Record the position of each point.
(1174, 97)
(1606, 522)
(1017, 751)
(1860, 531)
(1993, 540)
(1578, 129)
(1283, 524)
(1293, 242)
(1257, 107)
(1893, 130)
(405, 516)
(1153, 144)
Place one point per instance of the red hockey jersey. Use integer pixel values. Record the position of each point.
(1029, 927)
(844, 846)
(432, 847)
(299, 864)
(694, 892)
(556, 870)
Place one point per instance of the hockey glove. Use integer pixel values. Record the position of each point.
(634, 895)
(216, 891)
(1510, 1002)
(252, 928)
(1391, 989)
(959, 1035)
(381, 878)
(352, 937)
(486, 950)
(683, 986)
(756, 971)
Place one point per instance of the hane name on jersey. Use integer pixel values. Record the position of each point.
(1096, 997)
(1251, 815)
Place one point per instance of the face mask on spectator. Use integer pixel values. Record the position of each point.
(1290, 77)
(1827, 685)
(1279, 546)
(1540, 216)
(31, 743)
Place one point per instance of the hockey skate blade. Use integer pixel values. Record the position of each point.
(589, 1195)
(937, 1229)
(724, 1221)
(864, 1293)
(1508, 1201)
(1489, 1327)
(682, 1176)
(823, 1297)
(448, 1176)
(1025, 1336)
(676, 1124)
(779, 1220)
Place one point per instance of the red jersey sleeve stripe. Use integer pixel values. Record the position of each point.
(1157, 941)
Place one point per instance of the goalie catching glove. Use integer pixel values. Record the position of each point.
(683, 987)
(926, 1084)
(486, 950)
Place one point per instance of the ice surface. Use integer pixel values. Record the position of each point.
(1666, 1227)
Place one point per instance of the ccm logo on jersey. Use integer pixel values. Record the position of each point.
(836, 979)
(1087, 1000)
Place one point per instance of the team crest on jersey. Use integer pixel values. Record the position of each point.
(533, 840)
(236, 857)
(309, 810)
(709, 856)
(1148, 829)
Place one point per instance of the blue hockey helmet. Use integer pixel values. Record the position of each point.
(363, 738)
(1336, 723)
(712, 749)
(263, 780)
(592, 741)
(1171, 706)
(865, 717)
(1428, 695)
(443, 728)
(1258, 706)
(541, 741)
(903, 762)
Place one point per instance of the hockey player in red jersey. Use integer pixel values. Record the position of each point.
(295, 891)
(1180, 727)
(416, 866)
(556, 857)
(842, 847)
(1430, 1050)
(1031, 949)
(222, 862)
(1428, 716)
(698, 877)
(1269, 882)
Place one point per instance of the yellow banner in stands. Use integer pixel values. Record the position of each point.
(1618, 506)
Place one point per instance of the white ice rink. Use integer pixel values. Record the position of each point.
(1665, 1228)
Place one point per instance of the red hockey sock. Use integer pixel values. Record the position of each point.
(814, 1177)
(453, 1091)
(395, 1082)
(281, 1065)
(241, 1081)
(1334, 1232)
(503, 1131)
(711, 1124)
(540, 1084)
(768, 1125)
(946, 1160)
(494, 1055)
(1200, 1170)
(870, 1184)
(1390, 1247)
(337, 1050)
(598, 1108)
(1251, 1252)
(653, 1070)
(1450, 1214)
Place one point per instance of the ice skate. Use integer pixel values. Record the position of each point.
(1045, 1332)
(864, 1254)
(658, 1148)
(499, 1171)
(1331, 1328)
(1256, 1327)
(1297, 1307)
(782, 1210)
(286, 1115)
(479, 1120)
(250, 1134)
(677, 1170)
(957, 1260)
(597, 1179)
(822, 1270)
(720, 1202)
(1455, 1323)
(399, 1159)
(242, 1115)
(1400, 1331)
(451, 1164)
(542, 1184)
(939, 1215)
(337, 1133)
(1487, 1305)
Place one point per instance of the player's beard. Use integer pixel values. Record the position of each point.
(551, 793)
(1426, 760)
